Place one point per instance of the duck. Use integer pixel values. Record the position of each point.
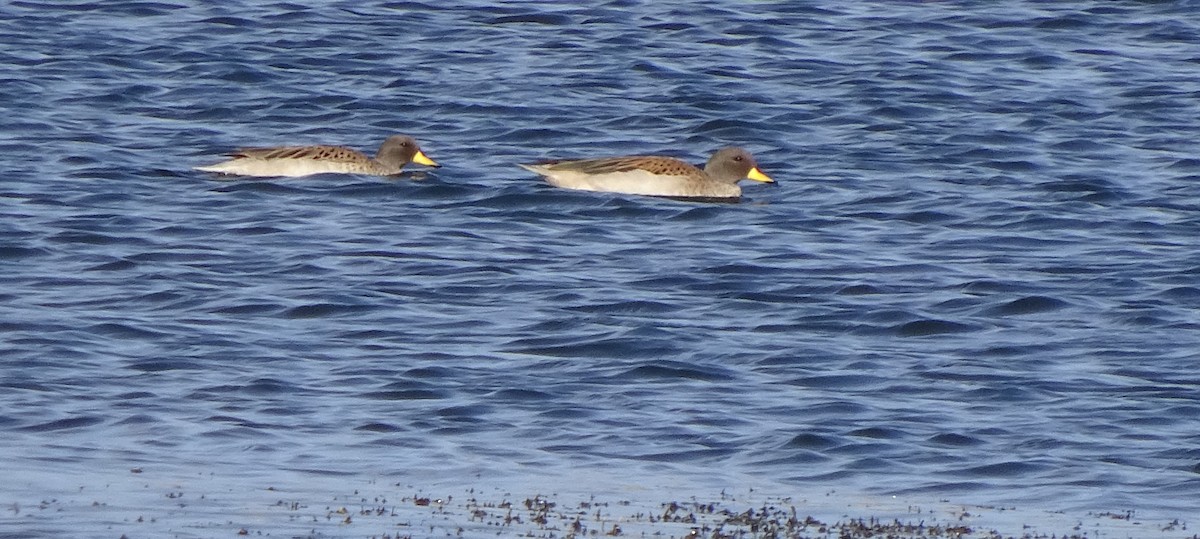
(296, 161)
(655, 175)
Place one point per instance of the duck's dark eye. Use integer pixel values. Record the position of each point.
(738, 158)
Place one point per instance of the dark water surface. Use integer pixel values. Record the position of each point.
(977, 281)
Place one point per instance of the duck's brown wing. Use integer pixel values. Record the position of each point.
(663, 166)
(315, 153)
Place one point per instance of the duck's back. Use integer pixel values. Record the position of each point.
(634, 175)
(294, 161)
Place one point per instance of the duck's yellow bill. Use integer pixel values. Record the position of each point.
(758, 176)
(421, 159)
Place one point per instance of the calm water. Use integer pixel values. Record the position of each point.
(978, 280)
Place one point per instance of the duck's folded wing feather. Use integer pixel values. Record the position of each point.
(320, 153)
(665, 166)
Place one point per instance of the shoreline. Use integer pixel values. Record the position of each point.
(140, 503)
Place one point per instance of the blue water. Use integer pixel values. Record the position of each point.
(978, 279)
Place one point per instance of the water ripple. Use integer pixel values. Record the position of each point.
(975, 279)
